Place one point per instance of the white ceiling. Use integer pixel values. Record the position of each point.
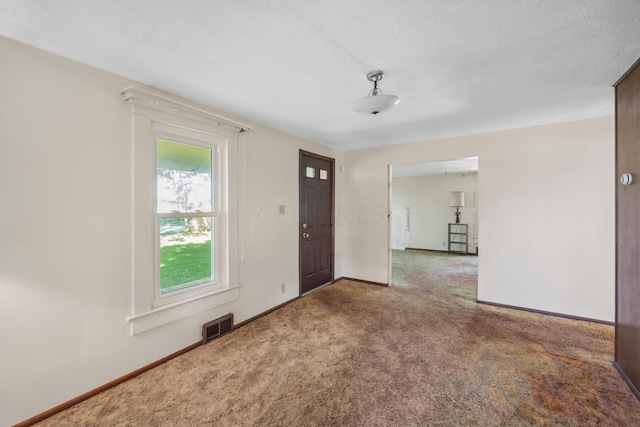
(459, 66)
(466, 165)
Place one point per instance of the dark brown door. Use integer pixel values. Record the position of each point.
(628, 228)
(316, 221)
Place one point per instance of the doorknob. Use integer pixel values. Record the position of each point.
(305, 235)
(626, 179)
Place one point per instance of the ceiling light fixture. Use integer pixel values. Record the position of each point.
(375, 102)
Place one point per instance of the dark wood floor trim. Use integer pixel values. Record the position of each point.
(626, 379)
(546, 313)
(368, 282)
(257, 316)
(427, 250)
(69, 403)
(296, 298)
(442, 252)
(317, 288)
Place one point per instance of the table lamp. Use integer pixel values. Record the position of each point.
(456, 200)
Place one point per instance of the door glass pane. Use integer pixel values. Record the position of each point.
(184, 177)
(186, 252)
(324, 175)
(311, 172)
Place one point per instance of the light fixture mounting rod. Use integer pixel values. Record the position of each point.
(375, 75)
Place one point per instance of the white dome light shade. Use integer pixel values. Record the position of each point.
(374, 104)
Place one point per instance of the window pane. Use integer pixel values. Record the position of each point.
(310, 172)
(185, 253)
(184, 177)
(324, 175)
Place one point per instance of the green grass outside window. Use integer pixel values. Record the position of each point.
(181, 264)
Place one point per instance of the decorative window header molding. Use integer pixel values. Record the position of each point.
(151, 115)
(147, 100)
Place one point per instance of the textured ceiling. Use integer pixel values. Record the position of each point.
(459, 66)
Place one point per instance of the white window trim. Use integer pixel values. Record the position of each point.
(152, 113)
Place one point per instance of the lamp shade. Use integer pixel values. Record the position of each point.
(374, 104)
(456, 199)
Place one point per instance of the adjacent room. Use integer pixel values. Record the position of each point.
(428, 197)
(433, 212)
(202, 204)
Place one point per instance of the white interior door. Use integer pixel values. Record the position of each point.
(400, 228)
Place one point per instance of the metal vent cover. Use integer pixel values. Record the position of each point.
(216, 328)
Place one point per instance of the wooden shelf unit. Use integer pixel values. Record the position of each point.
(458, 236)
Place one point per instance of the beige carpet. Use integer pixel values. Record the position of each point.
(421, 353)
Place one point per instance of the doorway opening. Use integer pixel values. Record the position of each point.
(423, 199)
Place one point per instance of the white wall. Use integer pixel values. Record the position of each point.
(545, 213)
(428, 200)
(66, 225)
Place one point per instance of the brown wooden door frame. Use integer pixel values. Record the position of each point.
(332, 172)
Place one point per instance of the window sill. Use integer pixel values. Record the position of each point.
(181, 309)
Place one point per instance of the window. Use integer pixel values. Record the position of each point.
(310, 172)
(189, 221)
(186, 210)
(186, 215)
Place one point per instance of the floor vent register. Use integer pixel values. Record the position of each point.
(216, 328)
